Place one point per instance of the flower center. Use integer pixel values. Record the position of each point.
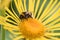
(32, 28)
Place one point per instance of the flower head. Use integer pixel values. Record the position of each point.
(32, 19)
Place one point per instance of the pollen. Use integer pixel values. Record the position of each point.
(32, 28)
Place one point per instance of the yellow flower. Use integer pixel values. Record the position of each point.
(41, 25)
(4, 3)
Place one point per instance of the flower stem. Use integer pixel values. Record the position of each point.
(3, 33)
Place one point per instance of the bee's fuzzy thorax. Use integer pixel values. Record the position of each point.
(25, 15)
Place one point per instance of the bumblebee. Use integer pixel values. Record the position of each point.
(25, 15)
